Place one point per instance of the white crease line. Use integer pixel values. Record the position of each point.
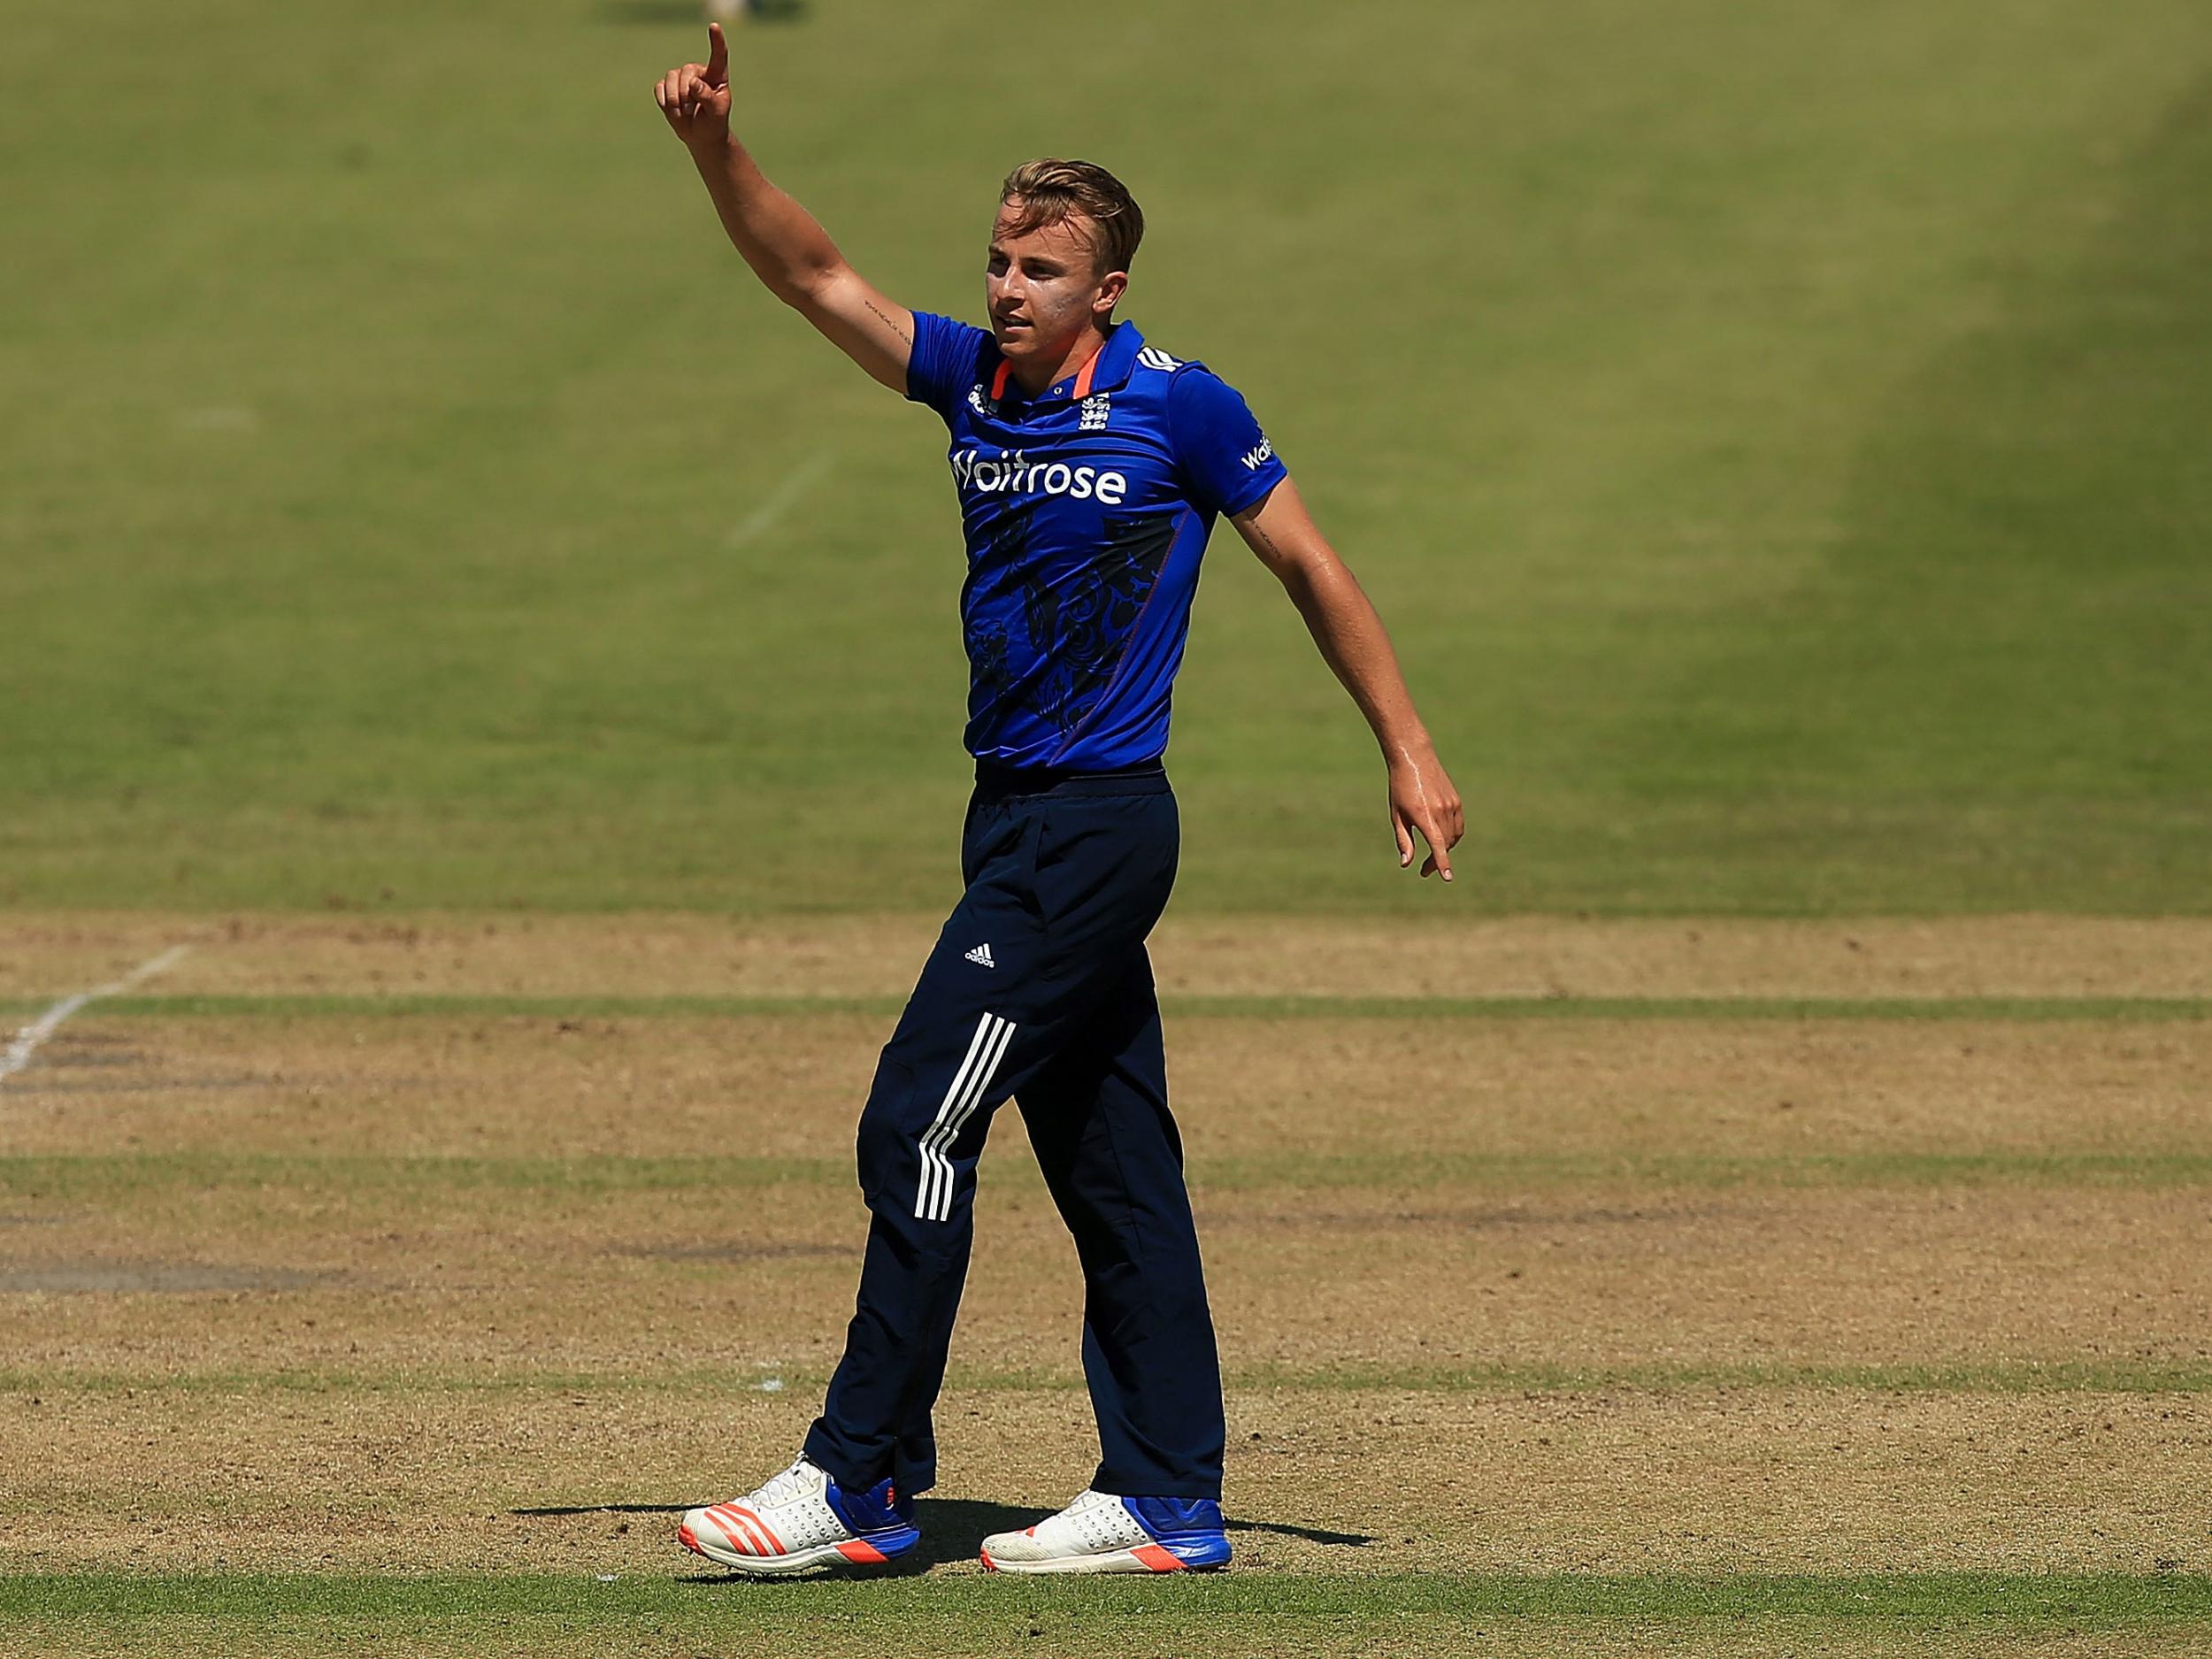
(782, 499)
(28, 1040)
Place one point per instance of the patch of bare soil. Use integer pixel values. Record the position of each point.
(782, 1085)
(1407, 1194)
(56, 955)
(792, 1085)
(416, 1271)
(1766, 1480)
(83, 1274)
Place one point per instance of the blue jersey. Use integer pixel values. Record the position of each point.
(1085, 512)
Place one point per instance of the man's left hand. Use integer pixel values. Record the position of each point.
(1422, 798)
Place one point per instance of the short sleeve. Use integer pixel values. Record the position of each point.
(942, 364)
(1226, 459)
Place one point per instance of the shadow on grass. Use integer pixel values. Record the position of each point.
(615, 1508)
(953, 1529)
(1311, 1534)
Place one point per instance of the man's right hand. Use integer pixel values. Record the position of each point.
(791, 254)
(696, 98)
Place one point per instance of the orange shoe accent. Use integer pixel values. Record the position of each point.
(733, 1536)
(1158, 1559)
(689, 1540)
(988, 1564)
(861, 1550)
(744, 1531)
(767, 1531)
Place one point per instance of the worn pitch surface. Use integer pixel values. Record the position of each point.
(329, 1289)
(54, 953)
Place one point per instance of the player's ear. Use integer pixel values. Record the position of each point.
(1112, 287)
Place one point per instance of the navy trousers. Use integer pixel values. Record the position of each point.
(1038, 988)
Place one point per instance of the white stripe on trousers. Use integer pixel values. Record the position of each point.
(986, 1049)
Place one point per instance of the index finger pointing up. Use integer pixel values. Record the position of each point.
(717, 56)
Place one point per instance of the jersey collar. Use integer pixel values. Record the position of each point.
(1110, 367)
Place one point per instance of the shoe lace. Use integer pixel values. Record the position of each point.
(793, 1482)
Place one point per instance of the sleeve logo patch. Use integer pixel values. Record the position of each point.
(1255, 458)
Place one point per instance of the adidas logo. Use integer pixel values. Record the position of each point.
(982, 954)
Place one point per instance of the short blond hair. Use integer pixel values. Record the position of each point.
(1052, 191)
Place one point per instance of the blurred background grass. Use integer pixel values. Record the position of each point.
(1774, 435)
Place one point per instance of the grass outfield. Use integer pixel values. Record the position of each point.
(1771, 437)
(1953, 1615)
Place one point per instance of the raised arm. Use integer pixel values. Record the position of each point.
(1352, 639)
(787, 249)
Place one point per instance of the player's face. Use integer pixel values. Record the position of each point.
(1044, 287)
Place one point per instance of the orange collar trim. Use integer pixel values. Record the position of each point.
(1083, 376)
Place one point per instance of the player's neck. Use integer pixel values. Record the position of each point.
(1036, 375)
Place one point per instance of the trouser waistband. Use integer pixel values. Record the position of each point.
(994, 782)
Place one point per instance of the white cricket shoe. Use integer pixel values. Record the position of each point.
(1101, 1533)
(799, 1520)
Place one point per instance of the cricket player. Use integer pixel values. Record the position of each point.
(1090, 466)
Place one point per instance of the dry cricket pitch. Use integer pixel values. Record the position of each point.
(1913, 1281)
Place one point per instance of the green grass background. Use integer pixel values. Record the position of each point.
(1773, 434)
(1902, 1614)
